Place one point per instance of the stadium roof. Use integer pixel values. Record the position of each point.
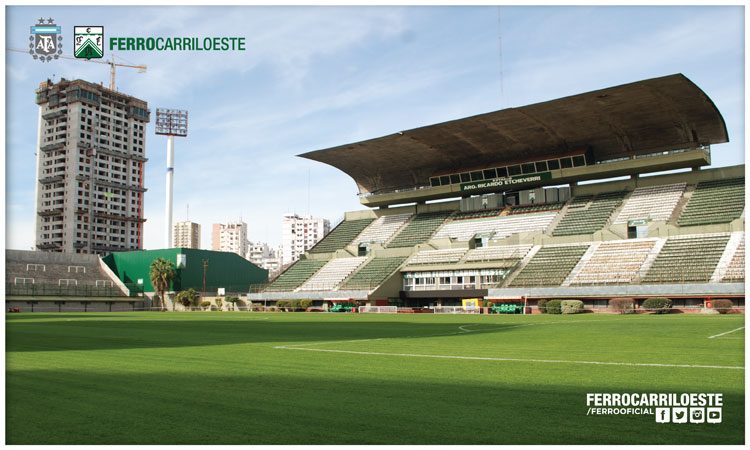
(647, 116)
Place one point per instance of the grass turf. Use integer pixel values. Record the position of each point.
(218, 378)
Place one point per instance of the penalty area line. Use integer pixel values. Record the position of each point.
(722, 334)
(485, 358)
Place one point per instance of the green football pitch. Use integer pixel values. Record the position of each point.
(317, 378)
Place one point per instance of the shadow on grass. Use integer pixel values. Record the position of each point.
(64, 332)
(80, 407)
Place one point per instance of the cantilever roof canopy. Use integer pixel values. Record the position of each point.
(643, 117)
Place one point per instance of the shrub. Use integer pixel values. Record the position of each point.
(283, 304)
(722, 305)
(219, 302)
(541, 304)
(233, 300)
(571, 306)
(304, 304)
(622, 305)
(187, 298)
(205, 304)
(659, 305)
(553, 307)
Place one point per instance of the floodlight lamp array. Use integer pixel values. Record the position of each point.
(171, 122)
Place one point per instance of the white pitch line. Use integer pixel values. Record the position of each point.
(293, 346)
(483, 358)
(452, 333)
(722, 334)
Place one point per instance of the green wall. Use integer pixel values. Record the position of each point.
(227, 270)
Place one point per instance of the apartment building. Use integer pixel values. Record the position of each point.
(186, 234)
(230, 237)
(299, 234)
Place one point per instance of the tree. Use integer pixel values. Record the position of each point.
(162, 273)
(188, 298)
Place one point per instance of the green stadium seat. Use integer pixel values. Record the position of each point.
(687, 259)
(718, 201)
(550, 266)
(373, 273)
(588, 214)
(341, 236)
(296, 275)
(419, 230)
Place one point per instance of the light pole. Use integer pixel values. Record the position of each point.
(171, 123)
(205, 268)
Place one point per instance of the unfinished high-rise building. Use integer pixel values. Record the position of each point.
(90, 167)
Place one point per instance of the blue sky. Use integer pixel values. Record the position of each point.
(315, 77)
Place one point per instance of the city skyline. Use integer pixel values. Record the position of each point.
(317, 77)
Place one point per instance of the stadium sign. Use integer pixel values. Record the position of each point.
(503, 182)
(637, 222)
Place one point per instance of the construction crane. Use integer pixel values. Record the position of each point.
(112, 64)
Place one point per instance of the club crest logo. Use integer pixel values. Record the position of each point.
(45, 42)
(88, 42)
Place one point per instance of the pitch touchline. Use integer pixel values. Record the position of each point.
(722, 334)
(483, 358)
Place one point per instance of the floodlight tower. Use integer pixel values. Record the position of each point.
(170, 122)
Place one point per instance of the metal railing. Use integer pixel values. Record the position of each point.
(47, 290)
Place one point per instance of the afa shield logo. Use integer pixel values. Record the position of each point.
(45, 42)
(88, 42)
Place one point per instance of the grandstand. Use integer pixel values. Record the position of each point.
(715, 201)
(588, 214)
(373, 273)
(687, 258)
(382, 229)
(39, 281)
(296, 275)
(505, 255)
(550, 265)
(449, 255)
(497, 206)
(341, 236)
(499, 227)
(736, 269)
(652, 203)
(614, 262)
(45, 281)
(419, 230)
(332, 274)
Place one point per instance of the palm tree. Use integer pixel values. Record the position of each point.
(161, 273)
